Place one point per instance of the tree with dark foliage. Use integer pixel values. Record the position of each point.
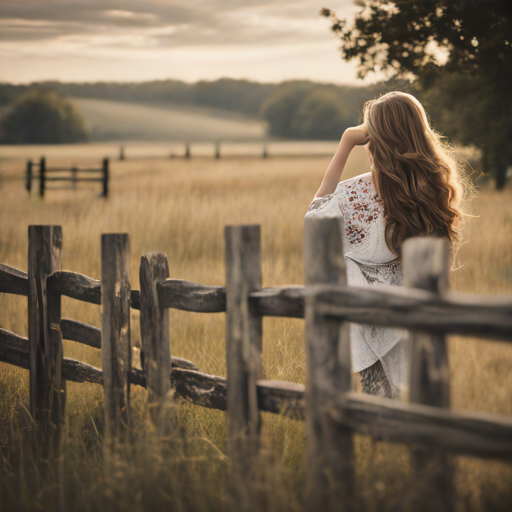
(461, 53)
(43, 117)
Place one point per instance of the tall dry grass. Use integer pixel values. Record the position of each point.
(180, 208)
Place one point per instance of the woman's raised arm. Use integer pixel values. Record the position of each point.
(351, 137)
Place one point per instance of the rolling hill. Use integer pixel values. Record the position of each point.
(125, 121)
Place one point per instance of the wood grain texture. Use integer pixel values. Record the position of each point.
(284, 301)
(154, 332)
(188, 296)
(85, 288)
(91, 336)
(82, 333)
(13, 280)
(329, 446)
(426, 264)
(115, 332)
(77, 286)
(243, 342)
(280, 397)
(199, 388)
(12, 340)
(489, 317)
(47, 394)
(53, 316)
(473, 433)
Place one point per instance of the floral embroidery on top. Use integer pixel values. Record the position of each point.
(361, 206)
(320, 203)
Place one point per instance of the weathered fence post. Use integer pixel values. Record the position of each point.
(329, 448)
(29, 176)
(121, 152)
(42, 176)
(265, 152)
(46, 385)
(105, 169)
(187, 150)
(115, 332)
(426, 263)
(243, 342)
(154, 331)
(74, 176)
(217, 149)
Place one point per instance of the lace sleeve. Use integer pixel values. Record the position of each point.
(319, 203)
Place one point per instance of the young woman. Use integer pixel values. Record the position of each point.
(413, 189)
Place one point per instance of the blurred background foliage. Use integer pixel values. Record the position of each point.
(458, 53)
(42, 117)
(294, 109)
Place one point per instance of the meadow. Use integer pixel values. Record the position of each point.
(180, 207)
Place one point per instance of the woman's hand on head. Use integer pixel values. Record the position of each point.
(357, 135)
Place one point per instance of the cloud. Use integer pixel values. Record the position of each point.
(154, 39)
(167, 24)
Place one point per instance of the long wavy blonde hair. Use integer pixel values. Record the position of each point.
(414, 172)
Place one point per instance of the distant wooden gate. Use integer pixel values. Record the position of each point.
(72, 176)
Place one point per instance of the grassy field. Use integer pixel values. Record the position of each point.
(180, 208)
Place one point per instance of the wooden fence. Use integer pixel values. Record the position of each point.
(221, 150)
(331, 410)
(70, 175)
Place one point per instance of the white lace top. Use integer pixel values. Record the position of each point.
(369, 263)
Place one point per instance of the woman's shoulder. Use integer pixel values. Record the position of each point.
(362, 183)
(356, 190)
(359, 190)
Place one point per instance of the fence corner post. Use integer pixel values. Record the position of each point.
(426, 262)
(243, 342)
(154, 332)
(42, 176)
(115, 332)
(106, 176)
(46, 385)
(28, 185)
(329, 445)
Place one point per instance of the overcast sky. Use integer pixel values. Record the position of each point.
(138, 40)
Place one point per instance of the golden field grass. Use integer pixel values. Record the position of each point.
(180, 208)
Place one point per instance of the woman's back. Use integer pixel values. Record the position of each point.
(369, 262)
(363, 211)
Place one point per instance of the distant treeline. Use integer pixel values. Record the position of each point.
(296, 109)
(239, 95)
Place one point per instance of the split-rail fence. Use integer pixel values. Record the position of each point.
(69, 176)
(331, 410)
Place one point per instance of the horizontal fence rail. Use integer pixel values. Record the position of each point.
(200, 388)
(387, 306)
(483, 435)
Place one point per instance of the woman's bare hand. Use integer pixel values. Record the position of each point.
(357, 135)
